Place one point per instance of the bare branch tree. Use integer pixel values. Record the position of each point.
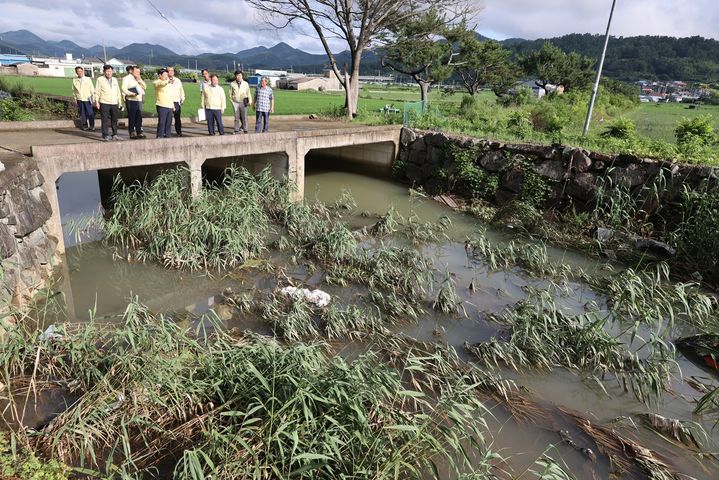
(358, 23)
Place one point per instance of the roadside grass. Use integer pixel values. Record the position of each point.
(286, 102)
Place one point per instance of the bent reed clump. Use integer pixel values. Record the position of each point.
(204, 402)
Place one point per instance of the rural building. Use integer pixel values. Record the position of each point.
(6, 59)
(328, 81)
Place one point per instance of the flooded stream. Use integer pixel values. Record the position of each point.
(93, 282)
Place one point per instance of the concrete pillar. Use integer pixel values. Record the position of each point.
(296, 170)
(196, 177)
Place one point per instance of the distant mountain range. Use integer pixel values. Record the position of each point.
(280, 56)
(629, 58)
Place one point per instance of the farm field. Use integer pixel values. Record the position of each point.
(372, 97)
(658, 120)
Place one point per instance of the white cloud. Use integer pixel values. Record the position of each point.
(550, 18)
(230, 25)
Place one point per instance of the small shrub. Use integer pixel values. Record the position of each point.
(519, 123)
(521, 96)
(12, 111)
(696, 131)
(622, 128)
(472, 180)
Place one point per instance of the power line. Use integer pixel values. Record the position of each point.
(189, 42)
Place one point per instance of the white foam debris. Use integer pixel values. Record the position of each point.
(317, 298)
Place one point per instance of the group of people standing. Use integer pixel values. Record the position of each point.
(110, 95)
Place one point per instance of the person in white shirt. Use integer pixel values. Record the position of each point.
(178, 98)
(108, 99)
(133, 88)
(214, 102)
(241, 98)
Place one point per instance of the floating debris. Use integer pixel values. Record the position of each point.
(318, 298)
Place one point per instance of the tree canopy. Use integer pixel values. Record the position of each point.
(552, 66)
(485, 64)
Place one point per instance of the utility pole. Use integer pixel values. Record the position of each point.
(599, 73)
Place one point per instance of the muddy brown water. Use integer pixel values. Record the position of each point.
(92, 281)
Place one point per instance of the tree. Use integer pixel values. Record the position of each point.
(485, 64)
(552, 66)
(422, 48)
(357, 23)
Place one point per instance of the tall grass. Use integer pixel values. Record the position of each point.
(539, 335)
(204, 404)
(222, 228)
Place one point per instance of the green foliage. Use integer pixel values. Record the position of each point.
(210, 405)
(552, 66)
(696, 131)
(484, 65)
(518, 97)
(413, 48)
(471, 179)
(692, 59)
(222, 228)
(519, 123)
(535, 188)
(697, 235)
(12, 111)
(622, 128)
(541, 336)
(17, 462)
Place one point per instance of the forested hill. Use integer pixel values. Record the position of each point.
(647, 57)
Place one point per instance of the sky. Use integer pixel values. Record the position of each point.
(230, 25)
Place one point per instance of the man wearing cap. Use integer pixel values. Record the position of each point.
(108, 99)
(83, 91)
(164, 104)
(241, 99)
(214, 103)
(133, 88)
(178, 98)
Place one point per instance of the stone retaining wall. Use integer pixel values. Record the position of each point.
(573, 173)
(26, 250)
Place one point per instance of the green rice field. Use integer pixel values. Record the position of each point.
(287, 102)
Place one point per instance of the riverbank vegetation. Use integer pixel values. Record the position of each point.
(332, 391)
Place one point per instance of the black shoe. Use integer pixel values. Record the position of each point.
(179, 134)
(84, 129)
(107, 138)
(91, 129)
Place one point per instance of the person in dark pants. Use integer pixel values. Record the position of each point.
(133, 88)
(214, 102)
(108, 99)
(164, 104)
(83, 91)
(178, 98)
(264, 105)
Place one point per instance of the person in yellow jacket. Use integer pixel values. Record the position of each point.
(108, 99)
(133, 88)
(178, 98)
(241, 99)
(82, 91)
(214, 102)
(164, 104)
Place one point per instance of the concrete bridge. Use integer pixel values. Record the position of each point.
(66, 150)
